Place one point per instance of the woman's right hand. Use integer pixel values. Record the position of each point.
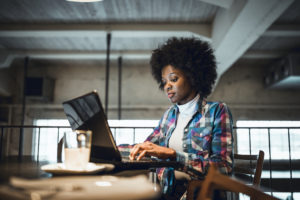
(150, 149)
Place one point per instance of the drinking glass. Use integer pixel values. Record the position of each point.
(77, 149)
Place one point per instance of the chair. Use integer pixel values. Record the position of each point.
(245, 166)
(216, 180)
(249, 167)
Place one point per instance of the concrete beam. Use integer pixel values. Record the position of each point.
(236, 29)
(117, 30)
(5, 59)
(263, 54)
(221, 3)
(9, 56)
(283, 31)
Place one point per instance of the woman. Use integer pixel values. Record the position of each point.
(193, 131)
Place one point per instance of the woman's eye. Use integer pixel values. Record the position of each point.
(174, 79)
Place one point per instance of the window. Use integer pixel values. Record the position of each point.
(278, 139)
(254, 137)
(131, 131)
(45, 140)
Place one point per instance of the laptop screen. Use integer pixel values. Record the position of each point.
(86, 113)
(81, 109)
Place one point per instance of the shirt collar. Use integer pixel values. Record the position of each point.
(199, 106)
(190, 107)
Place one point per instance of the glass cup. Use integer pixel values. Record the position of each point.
(77, 149)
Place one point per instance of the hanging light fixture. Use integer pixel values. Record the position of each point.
(84, 1)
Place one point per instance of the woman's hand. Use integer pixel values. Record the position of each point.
(151, 149)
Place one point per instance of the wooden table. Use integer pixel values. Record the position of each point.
(30, 170)
(25, 168)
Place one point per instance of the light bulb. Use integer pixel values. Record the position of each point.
(84, 1)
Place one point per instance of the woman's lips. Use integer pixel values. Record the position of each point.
(170, 95)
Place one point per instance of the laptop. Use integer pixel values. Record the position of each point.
(86, 113)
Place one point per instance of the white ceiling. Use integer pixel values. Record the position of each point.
(57, 29)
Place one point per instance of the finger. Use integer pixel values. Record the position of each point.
(134, 148)
(135, 152)
(138, 148)
(131, 151)
(144, 152)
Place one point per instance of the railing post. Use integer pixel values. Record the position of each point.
(249, 134)
(133, 135)
(250, 151)
(1, 144)
(290, 162)
(120, 87)
(21, 135)
(38, 152)
(108, 39)
(270, 162)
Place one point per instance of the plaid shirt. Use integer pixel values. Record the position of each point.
(207, 139)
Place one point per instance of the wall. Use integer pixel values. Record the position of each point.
(241, 87)
(5, 82)
(140, 95)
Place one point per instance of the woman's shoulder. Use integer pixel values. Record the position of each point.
(170, 109)
(218, 108)
(169, 112)
(216, 105)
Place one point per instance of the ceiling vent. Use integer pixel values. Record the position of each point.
(284, 74)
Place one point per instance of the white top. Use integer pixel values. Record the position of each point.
(186, 112)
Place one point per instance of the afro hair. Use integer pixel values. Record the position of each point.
(190, 55)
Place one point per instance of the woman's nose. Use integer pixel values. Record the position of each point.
(168, 87)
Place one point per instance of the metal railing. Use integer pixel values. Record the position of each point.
(289, 164)
(276, 140)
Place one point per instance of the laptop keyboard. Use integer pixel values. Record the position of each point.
(144, 159)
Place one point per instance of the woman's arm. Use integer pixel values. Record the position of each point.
(153, 137)
(154, 145)
(150, 149)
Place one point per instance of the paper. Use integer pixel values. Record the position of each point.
(89, 187)
(91, 168)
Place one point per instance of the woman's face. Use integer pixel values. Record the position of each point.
(176, 85)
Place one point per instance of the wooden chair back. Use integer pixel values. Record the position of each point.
(249, 167)
(216, 180)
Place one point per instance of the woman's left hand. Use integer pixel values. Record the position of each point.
(150, 149)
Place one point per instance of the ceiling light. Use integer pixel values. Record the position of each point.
(84, 1)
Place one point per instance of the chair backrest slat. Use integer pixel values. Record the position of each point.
(259, 164)
(215, 180)
(245, 157)
(245, 167)
(249, 165)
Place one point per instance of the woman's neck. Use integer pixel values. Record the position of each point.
(189, 107)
